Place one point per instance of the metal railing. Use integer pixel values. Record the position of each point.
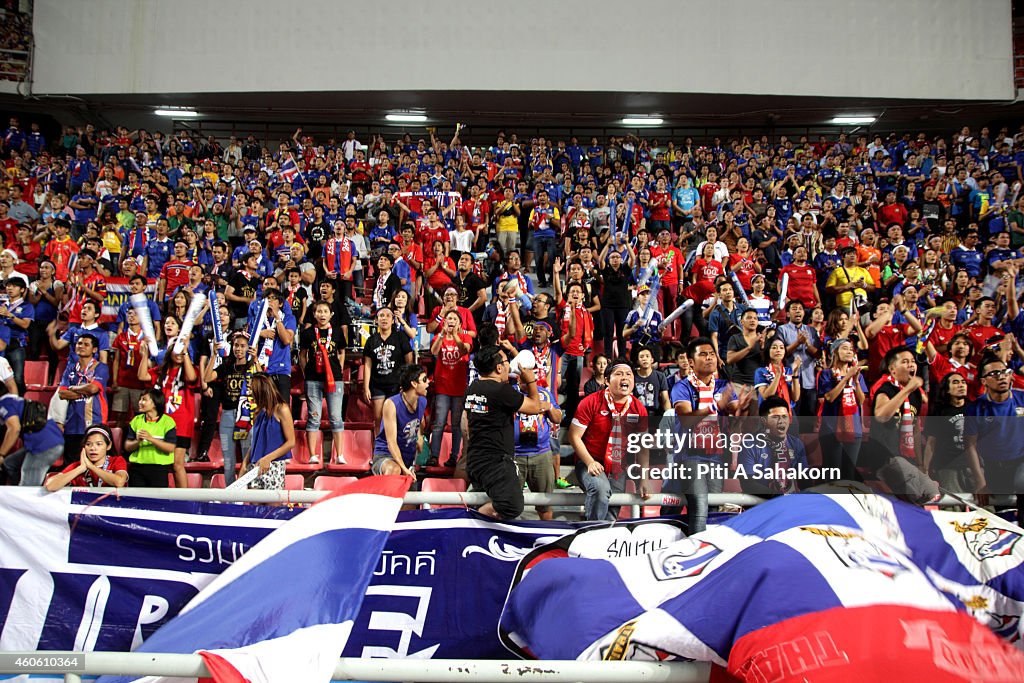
(352, 669)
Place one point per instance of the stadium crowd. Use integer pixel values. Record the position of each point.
(814, 282)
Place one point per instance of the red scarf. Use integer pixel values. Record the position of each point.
(499, 317)
(906, 418)
(849, 409)
(616, 449)
(323, 362)
(171, 387)
(783, 389)
(708, 426)
(543, 369)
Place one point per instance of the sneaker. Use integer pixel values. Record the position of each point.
(202, 457)
(451, 463)
(561, 483)
(432, 462)
(314, 460)
(339, 459)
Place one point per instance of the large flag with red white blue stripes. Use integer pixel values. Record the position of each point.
(284, 610)
(806, 587)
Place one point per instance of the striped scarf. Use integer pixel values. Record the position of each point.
(499, 318)
(707, 428)
(323, 362)
(543, 369)
(616, 449)
(172, 388)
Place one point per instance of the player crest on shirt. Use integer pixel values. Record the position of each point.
(986, 542)
(684, 559)
(857, 552)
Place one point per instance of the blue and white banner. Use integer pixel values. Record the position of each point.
(84, 572)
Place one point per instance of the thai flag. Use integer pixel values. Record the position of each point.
(289, 170)
(284, 611)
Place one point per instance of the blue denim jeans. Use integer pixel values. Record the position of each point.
(315, 394)
(227, 444)
(599, 490)
(31, 467)
(16, 357)
(544, 245)
(443, 406)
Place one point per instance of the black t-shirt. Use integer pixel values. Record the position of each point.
(308, 341)
(230, 376)
(316, 235)
(243, 286)
(886, 433)
(742, 371)
(947, 426)
(467, 292)
(616, 288)
(491, 407)
(340, 316)
(388, 356)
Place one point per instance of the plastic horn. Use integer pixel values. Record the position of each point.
(739, 288)
(218, 330)
(261, 321)
(647, 272)
(141, 305)
(628, 218)
(645, 315)
(190, 321)
(680, 309)
(783, 291)
(612, 220)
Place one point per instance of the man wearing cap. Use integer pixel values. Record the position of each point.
(600, 433)
(849, 282)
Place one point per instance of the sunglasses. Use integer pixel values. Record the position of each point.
(1005, 372)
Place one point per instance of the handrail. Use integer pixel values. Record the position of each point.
(354, 669)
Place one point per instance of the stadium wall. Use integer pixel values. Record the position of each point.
(915, 49)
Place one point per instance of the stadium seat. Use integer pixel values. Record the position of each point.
(446, 447)
(194, 480)
(325, 482)
(217, 481)
(300, 456)
(61, 365)
(437, 485)
(294, 482)
(358, 449)
(35, 373)
(216, 455)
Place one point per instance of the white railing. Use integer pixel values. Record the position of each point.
(351, 669)
(557, 498)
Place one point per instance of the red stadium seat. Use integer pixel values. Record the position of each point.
(194, 480)
(437, 485)
(325, 482)
(294, 482)
(215, 454)
(446, 448)
(61, 365)
(300, 456)
(357, 445)
(217, 481)
(35, 373)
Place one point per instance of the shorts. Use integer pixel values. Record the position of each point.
(382, 391)
(272, 479)
(500, 480)
(379, 459)
(125, 399)
(183, 442)
(536, 472)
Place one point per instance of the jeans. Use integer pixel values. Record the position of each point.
(544, 245)
(841, 454)
(696, 490)
(227, 444)
(599, 490)
(443, 405)
(315, 394)
(15, 355)
(613, 322)
(569, 390)
(31, 468)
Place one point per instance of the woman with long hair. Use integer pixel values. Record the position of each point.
(842, 390)
(405, 318)
(273, 434)
(775, 378)
(944, 456)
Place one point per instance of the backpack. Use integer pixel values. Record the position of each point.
(33, 417)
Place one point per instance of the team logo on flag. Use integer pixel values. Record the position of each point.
(687, 558)
(985, 542)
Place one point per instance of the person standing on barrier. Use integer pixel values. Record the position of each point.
(600, 434)
(491, 405)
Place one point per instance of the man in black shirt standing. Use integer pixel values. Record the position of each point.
(616, 299)
(491, 405)
(472, 288)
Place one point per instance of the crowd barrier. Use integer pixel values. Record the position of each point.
(352, 669)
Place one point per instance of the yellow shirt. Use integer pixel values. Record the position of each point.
(509, 222)
(842, 276)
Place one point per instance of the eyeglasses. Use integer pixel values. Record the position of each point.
(1005, 372)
